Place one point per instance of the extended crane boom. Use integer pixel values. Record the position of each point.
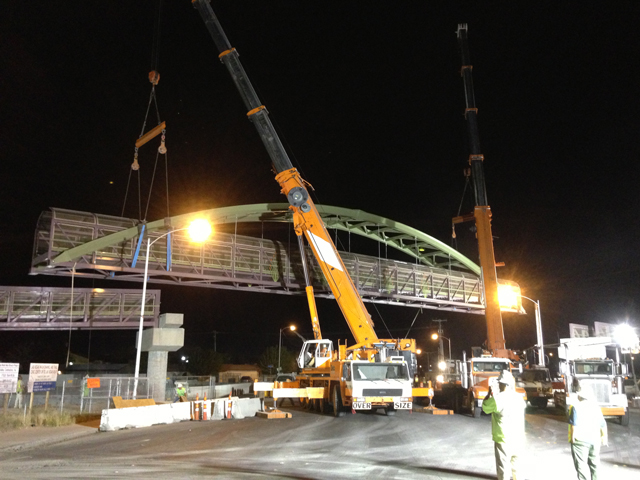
(482, 210)
(306, 219)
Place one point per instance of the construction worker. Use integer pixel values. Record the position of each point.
(19, 393)
(587, 431)
(507, 425)
(181, 393)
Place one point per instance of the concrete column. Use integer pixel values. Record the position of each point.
(157, 374)
(159, 342)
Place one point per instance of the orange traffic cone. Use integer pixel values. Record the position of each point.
(229, 407)
(197, 408)
(204, 407)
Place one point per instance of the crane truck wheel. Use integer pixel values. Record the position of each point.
(476, 411)
(624, 419)
(338, 409)
(541, 403)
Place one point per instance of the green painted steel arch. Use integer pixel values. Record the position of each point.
(408, 240)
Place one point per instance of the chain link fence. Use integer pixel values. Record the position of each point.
(74, 395)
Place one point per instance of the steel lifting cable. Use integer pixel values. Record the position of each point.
(414, 321)
(454, 241)
(154, 78)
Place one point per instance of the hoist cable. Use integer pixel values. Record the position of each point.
(153, 177)
(414, 321)
(139, 197)
(126, 193)
(385, 325)
(155, 49)
(166, 176)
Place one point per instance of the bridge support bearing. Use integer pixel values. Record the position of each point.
(169, 337)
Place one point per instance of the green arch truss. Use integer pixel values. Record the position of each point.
(412, 242)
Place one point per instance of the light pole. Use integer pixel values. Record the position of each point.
(199, 231)
(538, 330)
(508, 298)
(437, 336)
(290, 327)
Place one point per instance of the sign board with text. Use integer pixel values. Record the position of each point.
(42, 377)
(578, 331)
(9, 377)
(603, 329)
(93, 383)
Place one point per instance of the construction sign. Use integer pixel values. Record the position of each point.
(42, 377)
(9, 377)
(93, 383)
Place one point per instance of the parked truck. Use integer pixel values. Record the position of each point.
(464, 383)
(536, 382)
(586, 360)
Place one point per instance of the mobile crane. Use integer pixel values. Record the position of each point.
(374, 373)
(480, 370)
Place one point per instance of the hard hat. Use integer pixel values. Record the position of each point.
(506, 377)
(179, 385)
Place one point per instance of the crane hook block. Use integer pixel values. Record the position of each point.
(154, 77)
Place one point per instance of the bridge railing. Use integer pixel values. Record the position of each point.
(242, 262)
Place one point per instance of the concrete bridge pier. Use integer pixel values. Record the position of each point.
(168, 337)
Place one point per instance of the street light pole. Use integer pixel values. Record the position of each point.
(196, 224)
(292, 328)
(448, 340)
(538, 330)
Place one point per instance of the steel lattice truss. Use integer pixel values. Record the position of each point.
(101, 246)
(50, 308)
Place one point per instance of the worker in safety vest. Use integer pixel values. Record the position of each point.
(181, 393)
(19, 393)
(587, 431)
(507, 425)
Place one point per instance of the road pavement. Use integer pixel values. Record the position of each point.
(309, 446)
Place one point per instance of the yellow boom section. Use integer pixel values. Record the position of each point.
(311, 225)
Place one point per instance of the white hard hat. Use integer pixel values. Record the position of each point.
(179, 385)
(506, 377)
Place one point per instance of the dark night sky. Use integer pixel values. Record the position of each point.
(368, 100)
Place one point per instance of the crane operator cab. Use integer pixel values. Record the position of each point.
(315, 353)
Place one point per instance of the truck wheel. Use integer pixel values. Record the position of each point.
(542, 402)
(457, 402)
(476, 411)
(338, 409)
(390, 411)
(624, 419)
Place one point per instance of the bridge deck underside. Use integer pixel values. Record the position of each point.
(231, 261)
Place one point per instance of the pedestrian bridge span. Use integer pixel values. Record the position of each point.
(101, 246)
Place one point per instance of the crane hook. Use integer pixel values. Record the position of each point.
(154, 77)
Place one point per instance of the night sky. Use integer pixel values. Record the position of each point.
(368, 100)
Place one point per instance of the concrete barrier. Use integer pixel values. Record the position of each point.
(137, 417)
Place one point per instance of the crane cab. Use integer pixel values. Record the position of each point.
(315, 353)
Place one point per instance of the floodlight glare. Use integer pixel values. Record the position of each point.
(625, 336)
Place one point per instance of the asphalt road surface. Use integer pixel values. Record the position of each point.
(311, 445)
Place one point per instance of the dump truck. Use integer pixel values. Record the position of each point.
(587, 360)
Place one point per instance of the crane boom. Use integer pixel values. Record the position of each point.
(482, 210)
(306, 218)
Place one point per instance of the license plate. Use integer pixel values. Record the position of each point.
(402, 405)
(361, 405)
